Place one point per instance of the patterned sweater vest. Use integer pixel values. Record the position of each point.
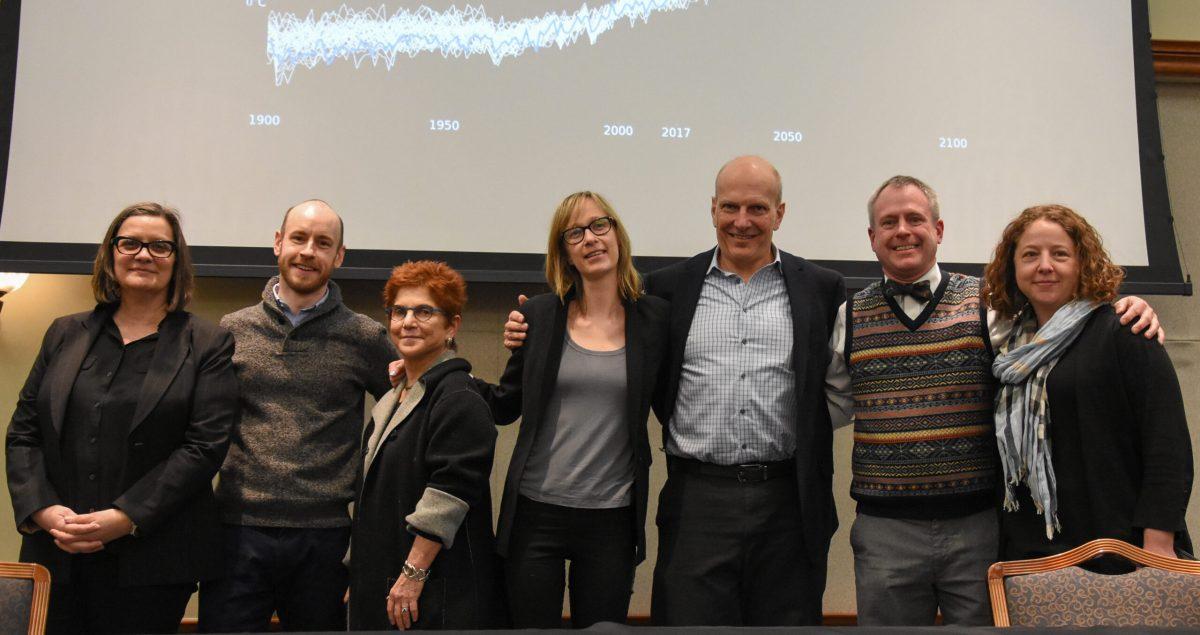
(924, 442)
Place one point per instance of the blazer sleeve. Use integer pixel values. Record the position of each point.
(1157, 403)
(505, 399)
(654, 283)
(458, 457)
(29, 484)
(191, 466)
(835, 302)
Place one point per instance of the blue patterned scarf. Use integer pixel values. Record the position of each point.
(1022, 366)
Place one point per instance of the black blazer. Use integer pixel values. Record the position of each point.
(175, 444)
(1119, 440)
(815, 293)
(530, 377)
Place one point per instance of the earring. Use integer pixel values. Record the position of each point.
(449, 342)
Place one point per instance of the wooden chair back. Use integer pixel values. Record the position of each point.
(24, 597)
(1053, 591)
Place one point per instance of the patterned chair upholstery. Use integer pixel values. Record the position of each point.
(1049, 592)
(24, 596)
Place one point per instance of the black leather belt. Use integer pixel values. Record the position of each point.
(744, 473)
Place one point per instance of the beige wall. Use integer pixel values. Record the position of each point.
(28, 312)
(1175, 19)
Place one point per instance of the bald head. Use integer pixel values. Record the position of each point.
(747, 208)
(750, 167)
(315, 208)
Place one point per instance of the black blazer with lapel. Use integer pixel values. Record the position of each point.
(814, 293)
(532, 373)
(176, 442)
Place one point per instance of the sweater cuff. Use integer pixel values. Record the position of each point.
(439, 514)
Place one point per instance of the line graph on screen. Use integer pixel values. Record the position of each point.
(375, 35)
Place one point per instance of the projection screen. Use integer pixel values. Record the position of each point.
(450, 130)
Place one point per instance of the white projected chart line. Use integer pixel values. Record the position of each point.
(371, 34)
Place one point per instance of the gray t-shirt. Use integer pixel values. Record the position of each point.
(582, 455)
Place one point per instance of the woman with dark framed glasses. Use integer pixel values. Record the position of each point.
(422, 551)
(117, 434)
(578, 480)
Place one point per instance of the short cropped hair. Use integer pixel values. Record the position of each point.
(445, 285)
(901, 180)
(341, 223)
(774, 172)
(104, 280)
(561, 274)
(1099, 278)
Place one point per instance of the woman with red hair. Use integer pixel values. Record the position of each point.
(1089, 418)
(422, 534)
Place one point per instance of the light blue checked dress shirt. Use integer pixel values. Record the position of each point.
(737, 390)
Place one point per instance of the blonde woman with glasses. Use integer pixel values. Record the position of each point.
(577, 483)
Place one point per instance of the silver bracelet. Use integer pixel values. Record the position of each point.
(414, 573)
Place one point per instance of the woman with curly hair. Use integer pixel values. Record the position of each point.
(1089, 417)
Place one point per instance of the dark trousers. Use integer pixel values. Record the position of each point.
(297, 573)
(92, 602)
(599, 543)
(731, 553)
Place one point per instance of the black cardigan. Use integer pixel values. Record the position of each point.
(445, 443)
(530, 377)
(1119, 443)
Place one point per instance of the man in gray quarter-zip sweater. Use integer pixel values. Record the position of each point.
(304, 362)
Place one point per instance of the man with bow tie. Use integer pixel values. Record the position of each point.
(911, 367)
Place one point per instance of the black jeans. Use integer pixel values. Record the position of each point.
(295, 572)
(601, 547)
(92, 602)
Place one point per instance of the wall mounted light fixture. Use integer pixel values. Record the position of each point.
(10, 282)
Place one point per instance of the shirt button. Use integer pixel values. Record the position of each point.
(91, 477)
(743, 342)
(108, 374)
(98, 403)
(742, 411)
(745, 310)
(743, 446)
(92, 440)
(743, 376)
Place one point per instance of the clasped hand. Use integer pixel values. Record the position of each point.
(82, 533)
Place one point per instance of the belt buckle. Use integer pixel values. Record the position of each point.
(752, 473)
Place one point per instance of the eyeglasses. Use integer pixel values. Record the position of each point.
(132, 247)
(423, 313)
(599, 227)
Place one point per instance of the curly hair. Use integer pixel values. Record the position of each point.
(445, 285)
(1099, 278)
